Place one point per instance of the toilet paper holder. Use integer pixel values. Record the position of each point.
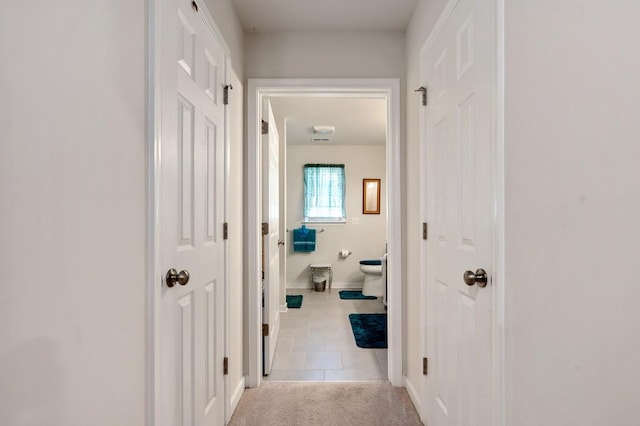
(345, 253)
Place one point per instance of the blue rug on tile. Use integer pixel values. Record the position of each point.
(369, 330)
(354, 294)
(294, 301)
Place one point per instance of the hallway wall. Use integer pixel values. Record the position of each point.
(324, 55)
(573, 212)
(72, 213)
(572, 209)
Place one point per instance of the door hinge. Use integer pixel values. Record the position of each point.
(225, 231)
(265, 228)
(225, 95)
(425, 366)
(265, 127)
(425, 230)
(225, 366)
(265, 330)
(424, 94)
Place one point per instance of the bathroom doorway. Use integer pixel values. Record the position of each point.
(332, 152)
(292, 98)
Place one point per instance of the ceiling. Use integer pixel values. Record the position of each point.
(324, 15)
(357, 121)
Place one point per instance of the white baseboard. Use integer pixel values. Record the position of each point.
(335, 285)
(284, 308)
(237, 394)
(413, 395)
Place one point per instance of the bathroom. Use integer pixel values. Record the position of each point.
(316, 340)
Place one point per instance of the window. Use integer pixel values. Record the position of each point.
(324, 191)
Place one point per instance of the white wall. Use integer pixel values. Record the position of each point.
(73, 210)
(573, 212)
(72, 213)
(572, 209)
(366, 239)
(324, 55)
(422, 21)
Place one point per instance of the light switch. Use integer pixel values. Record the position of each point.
(355, 221)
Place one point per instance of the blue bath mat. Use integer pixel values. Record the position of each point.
(354, 294)
(369, 330)
(294, 301)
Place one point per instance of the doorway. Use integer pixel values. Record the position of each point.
(259, 90)
(329, 149)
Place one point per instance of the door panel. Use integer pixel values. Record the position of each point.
(459, 200)
(271, 215)
(191, 216)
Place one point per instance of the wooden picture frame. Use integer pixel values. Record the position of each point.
(370, 196)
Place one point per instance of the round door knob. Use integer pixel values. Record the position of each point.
(174, 277)
(479, 277)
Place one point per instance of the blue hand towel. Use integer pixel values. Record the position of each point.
(304, 239)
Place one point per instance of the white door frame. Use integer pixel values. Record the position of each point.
(155, 277)
(498, 225)
(388, 88)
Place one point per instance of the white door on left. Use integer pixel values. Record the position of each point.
(271, 242)
(192, 78)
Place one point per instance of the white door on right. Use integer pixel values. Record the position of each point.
(457, 67)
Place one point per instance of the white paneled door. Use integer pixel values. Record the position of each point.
(457, 69)
(271, 248)
(192, 78)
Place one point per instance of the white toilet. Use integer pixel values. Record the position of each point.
(374, 282)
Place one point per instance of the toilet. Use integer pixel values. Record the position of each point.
(374, 283)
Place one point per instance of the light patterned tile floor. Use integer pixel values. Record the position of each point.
(316, 342)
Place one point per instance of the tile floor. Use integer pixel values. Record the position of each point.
(316, 342)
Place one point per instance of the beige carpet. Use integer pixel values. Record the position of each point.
(334, 404)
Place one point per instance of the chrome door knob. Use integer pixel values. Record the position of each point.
(174, 277)
(479, 277)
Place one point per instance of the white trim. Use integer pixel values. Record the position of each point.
(154, 108)
(414, 396)
(424, 252)
(236, 395)
(284, 308)
(253, 237)
(227, 255)
(395, 354)
(498, 281)
(382, 87)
